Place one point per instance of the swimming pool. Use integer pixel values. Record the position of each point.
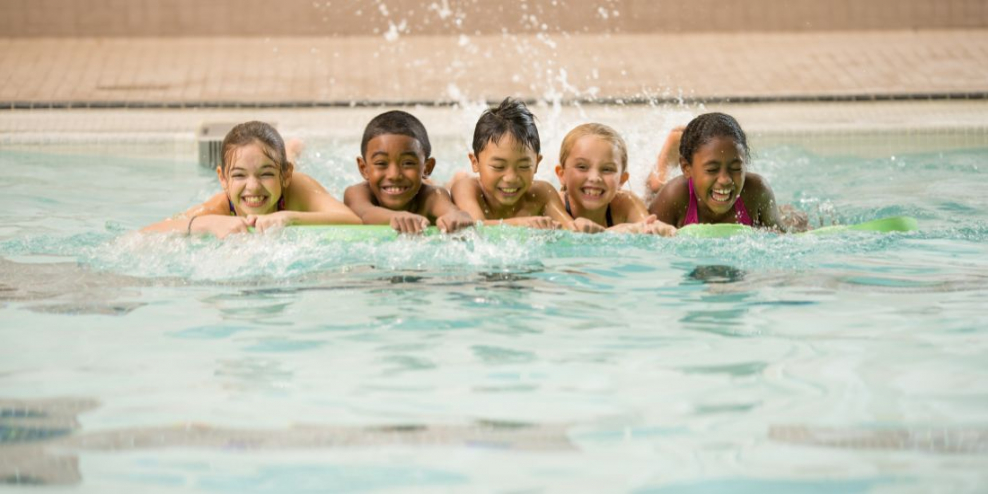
(544, 362)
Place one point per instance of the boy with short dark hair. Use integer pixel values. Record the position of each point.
(395, 155)
(506, 156)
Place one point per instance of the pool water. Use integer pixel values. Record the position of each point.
(490, 362)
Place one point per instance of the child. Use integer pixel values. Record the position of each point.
(715, 186)
(593, 165)
(395, 156)
(260, 190)
(506, 156)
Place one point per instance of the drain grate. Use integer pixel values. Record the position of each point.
(210, 139)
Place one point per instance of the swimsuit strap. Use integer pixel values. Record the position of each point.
(741, 212)
(693, 217)
(609, 220)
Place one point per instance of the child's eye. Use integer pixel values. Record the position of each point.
(267, 174)
(497, 168)
(525, 167)
(582, 168)
(237, 175)
(409, 164)
(381, 164)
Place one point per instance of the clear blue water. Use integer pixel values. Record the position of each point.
(538, 362)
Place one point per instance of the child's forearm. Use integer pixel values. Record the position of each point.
(376, 215)
(342, 217)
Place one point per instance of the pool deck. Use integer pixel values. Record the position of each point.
(117, 72)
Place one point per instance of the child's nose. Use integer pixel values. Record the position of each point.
(394, 171)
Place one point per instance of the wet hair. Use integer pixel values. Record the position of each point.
(510, 117)
(705, 127)
(597, 130)
(396, 122)
(250, 132)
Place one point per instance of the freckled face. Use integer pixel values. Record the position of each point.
(394, 167)
(593, 173)
(717, 170)
(253, 181)
(507, 170)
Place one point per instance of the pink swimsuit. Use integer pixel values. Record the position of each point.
(692, 217)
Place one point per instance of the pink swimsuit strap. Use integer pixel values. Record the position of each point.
(693, 217)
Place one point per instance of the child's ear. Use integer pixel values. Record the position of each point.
(685, 167)
(624, 179)
(286, 178)
(474, 163)
(429, 165)
(559, 172)
(538, 160)
(362, 166)
(222, 177)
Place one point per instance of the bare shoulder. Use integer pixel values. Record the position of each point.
(542, 189)
(465, 184)
(218, 204)
(303, 181)
(675, 192)
(756, 189)
(357, 192)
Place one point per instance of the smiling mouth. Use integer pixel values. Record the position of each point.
(721, 195)
(253, 201)
(591, 192)
(393, 190)
(510, 192)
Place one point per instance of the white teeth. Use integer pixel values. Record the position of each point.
(593, 192)
(509, 191)
(393, 190)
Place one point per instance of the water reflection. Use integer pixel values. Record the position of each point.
(41, 438)
(716, 274)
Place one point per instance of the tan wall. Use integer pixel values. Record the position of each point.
(21, 18)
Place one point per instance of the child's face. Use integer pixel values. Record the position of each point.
(253, 181)
(506, 170)
(592, 173)
(717, 170)
(394, 167)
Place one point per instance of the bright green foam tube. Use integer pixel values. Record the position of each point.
(883, 225)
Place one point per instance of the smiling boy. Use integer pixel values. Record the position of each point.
(506, 156)
(395, 155)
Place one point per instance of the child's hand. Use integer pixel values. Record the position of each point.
(793, 220)
(540, 222)
(652, 226)
(453, 221)
(270, 222)
(409, 222)
(583, 225)
(220, 226)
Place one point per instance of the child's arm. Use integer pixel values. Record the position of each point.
(358, 197)
(670, 205)
(637, 218)
(212, 217)
(767, 215)
(439, 205)
(309, 203)
(468, 196)
(554, 208)
(668, 156)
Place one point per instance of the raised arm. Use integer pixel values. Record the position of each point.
(668, 156)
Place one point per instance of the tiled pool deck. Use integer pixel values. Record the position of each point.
(327, 71)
